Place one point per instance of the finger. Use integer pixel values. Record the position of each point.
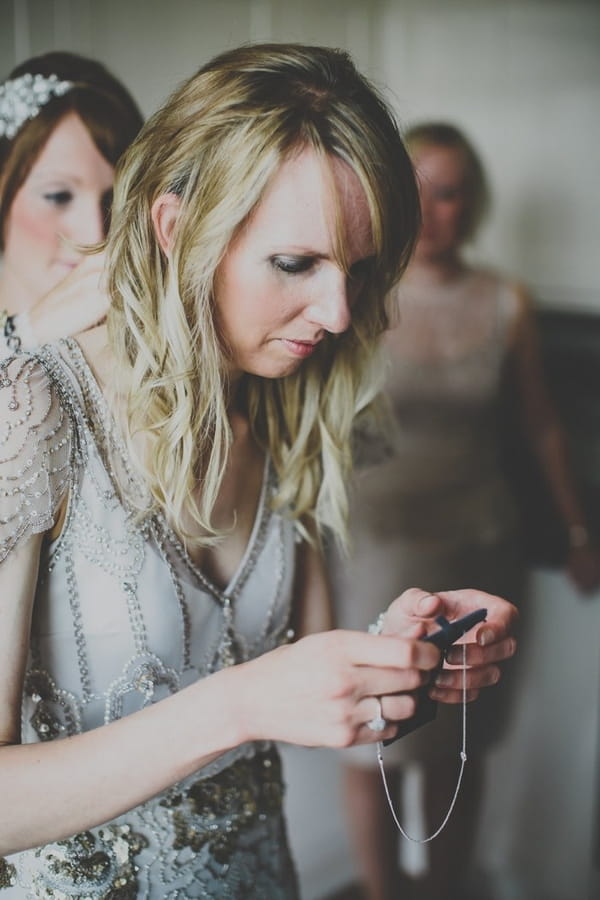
(387, 651)
(453, 679)
(477, 655)
(451, 696)
(501, 614)
(374, 682)
(417, 603)
(365, 735)
(394, 708)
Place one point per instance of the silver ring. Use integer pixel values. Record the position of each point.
(378, 723)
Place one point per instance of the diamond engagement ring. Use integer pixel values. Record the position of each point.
(378, 723)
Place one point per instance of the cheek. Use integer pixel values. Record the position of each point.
(449, 220)
(456, 213)
(246, 297)
(30, 226)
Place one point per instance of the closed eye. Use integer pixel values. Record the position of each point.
(292, 265)
(58, 198)
(447, 194)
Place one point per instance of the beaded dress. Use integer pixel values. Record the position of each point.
(123, 618)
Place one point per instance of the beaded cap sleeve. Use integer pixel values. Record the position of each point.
(35, 450)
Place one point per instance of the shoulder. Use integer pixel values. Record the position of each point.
(35, 448)
(31, 397)
(511, 291)
(512, 297)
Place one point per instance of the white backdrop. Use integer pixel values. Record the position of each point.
(522, 76)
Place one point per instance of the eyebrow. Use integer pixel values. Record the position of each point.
(56, 175)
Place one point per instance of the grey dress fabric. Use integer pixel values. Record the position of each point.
(123, 618)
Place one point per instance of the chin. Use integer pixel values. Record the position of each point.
(274, 370)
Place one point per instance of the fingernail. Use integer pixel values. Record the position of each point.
(443, 679)
(425, 603)
(486, 636)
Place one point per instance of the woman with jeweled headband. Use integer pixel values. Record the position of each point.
(64, 123)
(164, 484)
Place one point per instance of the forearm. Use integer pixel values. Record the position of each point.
(552, 451)
(55, 789)
(540, 421)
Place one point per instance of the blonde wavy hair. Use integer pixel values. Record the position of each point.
(216, 143)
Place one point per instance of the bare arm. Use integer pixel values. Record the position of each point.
(317, 691)
(548, 441)
(54, 789)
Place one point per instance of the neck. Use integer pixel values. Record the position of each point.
(437, 270)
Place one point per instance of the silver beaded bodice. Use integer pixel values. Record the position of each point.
(123, 618)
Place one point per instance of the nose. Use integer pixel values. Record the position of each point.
(330, 310)
(87, 223)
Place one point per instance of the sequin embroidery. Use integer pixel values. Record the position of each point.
(122, 618)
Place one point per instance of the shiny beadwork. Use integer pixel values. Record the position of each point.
(135, 621)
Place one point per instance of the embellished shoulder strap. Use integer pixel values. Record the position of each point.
(36, 443)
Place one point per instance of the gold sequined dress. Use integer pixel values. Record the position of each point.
(123, 618)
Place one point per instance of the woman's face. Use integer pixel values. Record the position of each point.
(279, 289)
(65, 198)
(441, 173)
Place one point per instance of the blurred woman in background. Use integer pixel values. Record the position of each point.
(64, 123)
(434, 507)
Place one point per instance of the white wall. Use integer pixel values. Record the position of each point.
(523, 78)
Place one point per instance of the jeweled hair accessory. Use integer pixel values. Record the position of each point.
(22, 98)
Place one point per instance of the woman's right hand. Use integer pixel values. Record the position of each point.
(321, 690)
(77, 303)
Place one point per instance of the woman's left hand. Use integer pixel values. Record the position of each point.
(487, 645)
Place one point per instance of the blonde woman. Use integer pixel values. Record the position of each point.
(64, 122)
(164, 485)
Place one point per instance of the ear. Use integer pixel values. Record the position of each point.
(164, 212)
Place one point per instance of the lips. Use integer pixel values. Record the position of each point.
(301, 349)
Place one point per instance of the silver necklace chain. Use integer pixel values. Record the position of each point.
(463, 759)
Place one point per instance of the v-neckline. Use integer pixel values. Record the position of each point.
(223, 595)
(229, 592)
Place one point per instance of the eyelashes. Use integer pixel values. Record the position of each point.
(58, 198)
(65, 200)
(294, 265)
